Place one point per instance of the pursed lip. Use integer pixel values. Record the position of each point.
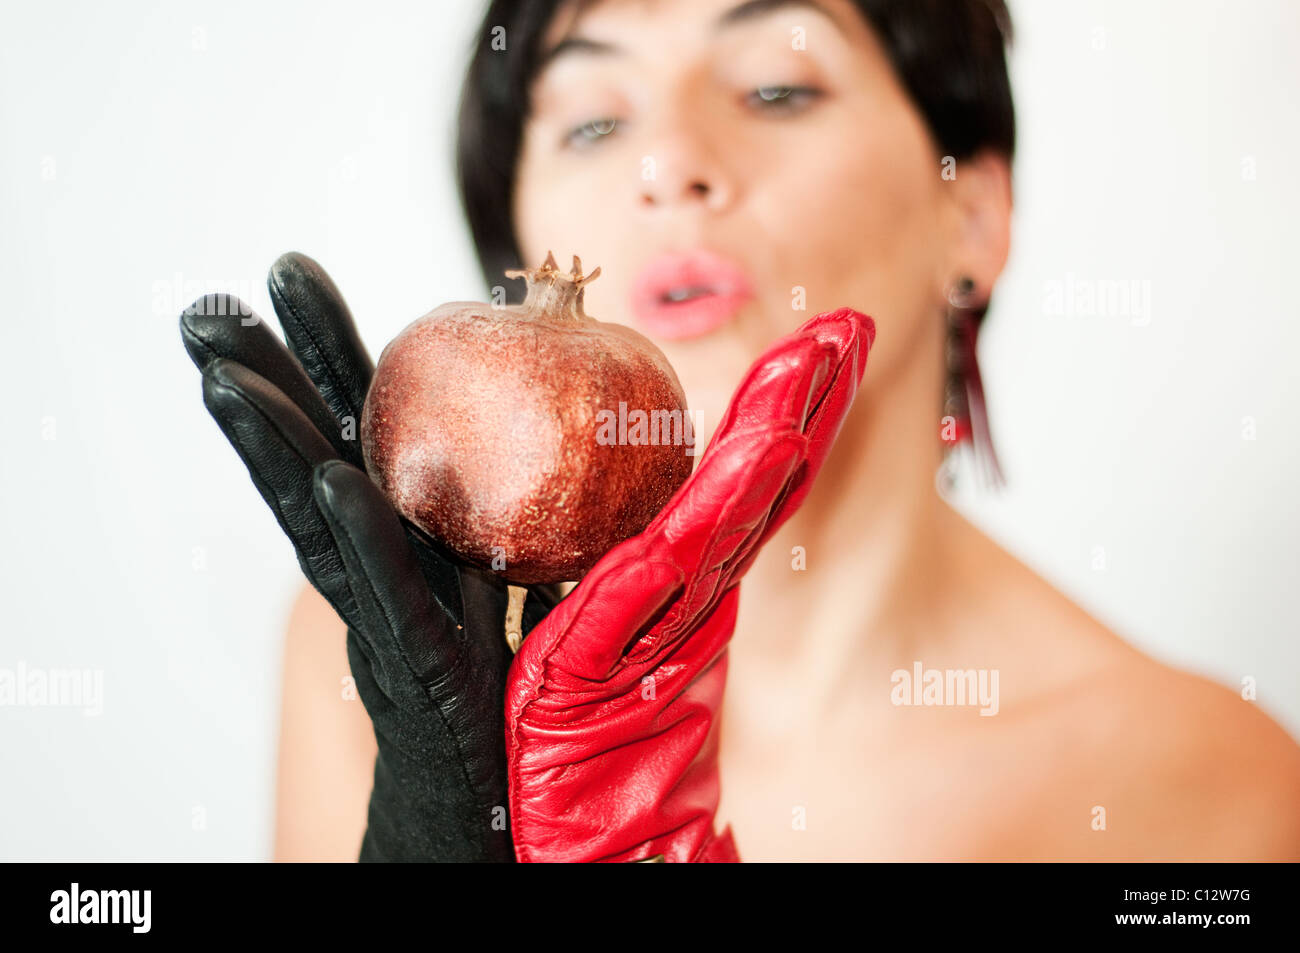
(712, 286)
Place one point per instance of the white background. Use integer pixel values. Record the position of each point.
(143, 144)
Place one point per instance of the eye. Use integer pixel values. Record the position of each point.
(782, 98)
(590, 132)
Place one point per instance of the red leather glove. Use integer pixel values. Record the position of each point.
(612, 702)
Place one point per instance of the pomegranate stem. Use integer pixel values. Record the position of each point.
(515, 616)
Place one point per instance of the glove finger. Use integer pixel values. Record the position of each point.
(756, 449)
(804, 383)
(715, 526)
(784, 380)
(851, 335)
(323, 336)
(403, 621)
(214, 327)
(622, 598)
(280, 447)
(848, 336)
(778, 389)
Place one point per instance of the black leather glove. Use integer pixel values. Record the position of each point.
(425, 635)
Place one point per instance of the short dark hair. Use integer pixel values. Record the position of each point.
(949, 55)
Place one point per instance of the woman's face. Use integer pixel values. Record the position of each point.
(773, 135)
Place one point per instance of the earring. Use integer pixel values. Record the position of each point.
(964, 411)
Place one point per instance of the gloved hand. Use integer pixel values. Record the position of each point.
(425, 635)
(612, 700)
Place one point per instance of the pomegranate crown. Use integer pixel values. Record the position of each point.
(553, 291)
(550, 271)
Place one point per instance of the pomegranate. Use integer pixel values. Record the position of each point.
(527, 439)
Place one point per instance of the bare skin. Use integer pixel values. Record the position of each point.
(327, 748)
(817, 761)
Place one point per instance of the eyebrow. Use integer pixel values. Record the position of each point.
(749, 10)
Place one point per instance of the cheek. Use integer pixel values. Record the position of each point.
(858, 219)
(584, 214)
(854, 217)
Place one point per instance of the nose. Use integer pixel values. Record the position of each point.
(683, 169)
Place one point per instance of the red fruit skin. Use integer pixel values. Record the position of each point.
(481, 426)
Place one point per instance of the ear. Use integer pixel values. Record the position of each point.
(980, 216)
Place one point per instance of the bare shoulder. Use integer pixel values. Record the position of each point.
(1026, 615)
(1183, 768)
(1220, 778)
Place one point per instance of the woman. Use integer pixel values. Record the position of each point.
(792, 158)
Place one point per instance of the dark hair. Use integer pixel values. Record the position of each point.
(949, 55)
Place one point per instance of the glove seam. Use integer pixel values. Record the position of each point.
(200, 341)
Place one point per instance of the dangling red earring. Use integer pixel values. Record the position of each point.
(963, 389)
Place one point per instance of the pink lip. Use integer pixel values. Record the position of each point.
(729, 288)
